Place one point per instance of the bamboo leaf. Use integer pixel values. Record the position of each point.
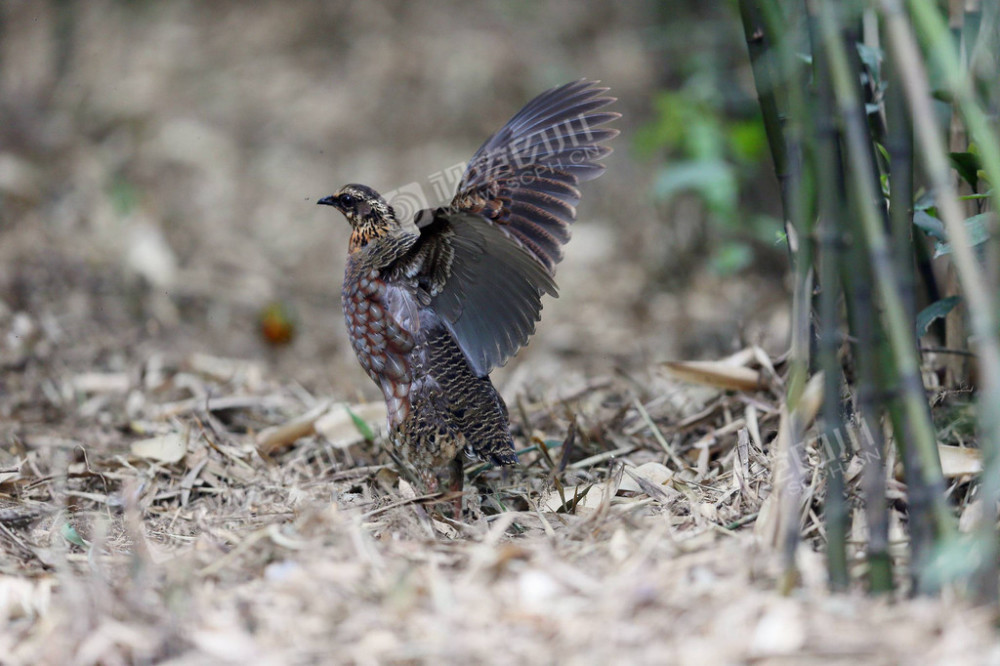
(70, 534)
(882, 151)
(925, 201)
(968, 166)
(975, 226)
(361, 425)
(930, 225)
(870, 56)
(935, 311)
(717, 374)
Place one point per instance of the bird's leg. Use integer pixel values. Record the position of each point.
(456, 479)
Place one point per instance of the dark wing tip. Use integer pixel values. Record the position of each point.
(551, 145)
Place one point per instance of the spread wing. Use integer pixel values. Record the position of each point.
(487, 259)
(524, 178)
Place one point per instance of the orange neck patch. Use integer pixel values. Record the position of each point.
(365, 234)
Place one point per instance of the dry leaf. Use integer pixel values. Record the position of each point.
(810, 401)
(654, 473)
(101, 382)
(959, 461)
(781, 631)
(406, 490)
(589, 496)
(971, 515)
(717, 374)
(275, 437)
(340, 429)
(169, 448)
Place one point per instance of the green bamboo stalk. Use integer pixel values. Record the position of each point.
(875, 382)
(900, 331)
(802, 221)
(983, 60)
(766, 83)
(830, 190)
(980, 306)
(879, 368)
(766, 24)
(899, 145)
(870, 408)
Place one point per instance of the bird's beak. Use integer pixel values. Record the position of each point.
(329, 201)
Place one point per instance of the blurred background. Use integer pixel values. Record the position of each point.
(160, 163)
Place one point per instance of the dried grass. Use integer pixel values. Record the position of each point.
(605, 547)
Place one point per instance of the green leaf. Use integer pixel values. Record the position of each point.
(360, 424)
(975, 227)
(935, 311)
(956, 560)
(883, 152)
(925, 201)
(731, 258)
(976, 197)
(870, 56)
(967, 165)
(930, 225)
(70, 534)
(124, 196)
(714, 180)
(943, 96)
(747, 140)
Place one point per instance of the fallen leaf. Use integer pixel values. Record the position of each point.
(653, 473)
(717, 374)
(340, 424)
(169, 448)
(959, 461)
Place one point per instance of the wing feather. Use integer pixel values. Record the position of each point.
(508, 222)
(525, 177)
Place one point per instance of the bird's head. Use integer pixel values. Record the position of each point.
(368, 213)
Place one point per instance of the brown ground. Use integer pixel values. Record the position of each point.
(158, 168)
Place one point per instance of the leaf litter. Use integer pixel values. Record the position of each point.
(256, 522)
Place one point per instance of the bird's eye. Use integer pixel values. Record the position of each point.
(347, 199)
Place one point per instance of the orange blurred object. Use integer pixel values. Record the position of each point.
(277, 323)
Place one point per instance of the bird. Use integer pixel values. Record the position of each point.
(435, 300)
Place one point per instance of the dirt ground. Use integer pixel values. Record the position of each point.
(176, 489)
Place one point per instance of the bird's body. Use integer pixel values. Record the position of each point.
(433, 303)
(436, 404)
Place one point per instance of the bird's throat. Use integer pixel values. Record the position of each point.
(365, 234)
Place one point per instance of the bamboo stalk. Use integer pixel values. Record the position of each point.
(766, 24)
(830, 189)
(872, 443)
(766, 82)
(982, 314)
(899, 145)
(956, 333)
(900, 331)
(802, 220)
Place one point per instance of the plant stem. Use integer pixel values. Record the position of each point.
(830, 190)
(766, 82)
(980, 305)
(766, 24)
(902, 337)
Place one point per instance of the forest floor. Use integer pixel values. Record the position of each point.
(175, 489)
(196, 511)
